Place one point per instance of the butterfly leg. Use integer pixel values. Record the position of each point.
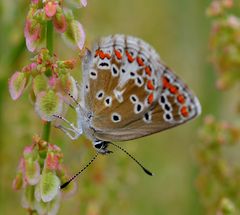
(75, 130)
(78, 86)
(67, 131)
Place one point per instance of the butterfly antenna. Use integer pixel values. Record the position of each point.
(76, 175)
(144, 169)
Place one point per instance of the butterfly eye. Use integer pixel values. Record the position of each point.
(98, 145)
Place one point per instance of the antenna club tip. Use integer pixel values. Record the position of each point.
(64, 185)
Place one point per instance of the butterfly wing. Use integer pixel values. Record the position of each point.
(129, 92)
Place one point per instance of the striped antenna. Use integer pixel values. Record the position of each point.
(76, 175)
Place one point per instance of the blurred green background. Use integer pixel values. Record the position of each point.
(179, 31)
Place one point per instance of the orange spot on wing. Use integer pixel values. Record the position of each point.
(173, 89)
(165, 82)
(101, 54)
(140, 61)
(148, 71)
(150, 98)
(181, 99)
(97, 52)
(108, 56)
(184, 111)
(118, 54)
(129, 56)
(150, 85)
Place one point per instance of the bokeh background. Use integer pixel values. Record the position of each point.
(179, 31)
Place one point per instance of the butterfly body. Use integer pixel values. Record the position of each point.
(127, 93)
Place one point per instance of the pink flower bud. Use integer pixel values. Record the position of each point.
(52, 161)
(51, 8)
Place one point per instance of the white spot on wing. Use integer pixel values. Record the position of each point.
(119, 95)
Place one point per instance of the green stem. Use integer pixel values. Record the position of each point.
(49, 45)
(46, 131)
(49, 40)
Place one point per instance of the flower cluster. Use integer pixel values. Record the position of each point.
(39, 175)
(218, 181)
(51, 83)
(41, 12)
(224, 42)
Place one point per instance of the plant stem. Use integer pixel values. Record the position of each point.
(49, 40)
(49, 45)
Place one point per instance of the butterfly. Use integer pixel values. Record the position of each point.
(127, 93)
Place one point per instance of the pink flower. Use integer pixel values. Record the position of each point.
(51, 8)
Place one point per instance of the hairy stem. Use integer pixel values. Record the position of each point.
(49, 45)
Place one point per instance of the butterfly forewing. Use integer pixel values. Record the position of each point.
(130, 93)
